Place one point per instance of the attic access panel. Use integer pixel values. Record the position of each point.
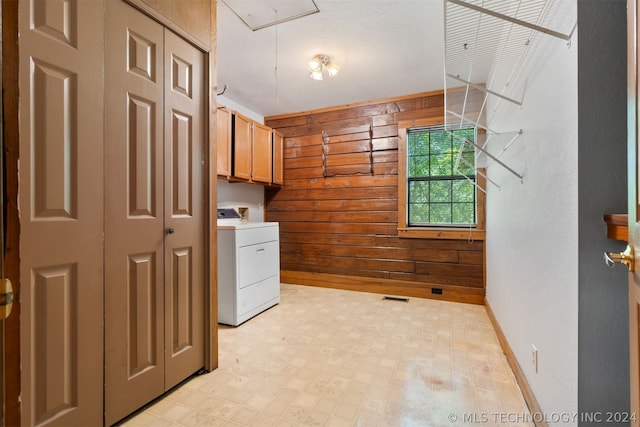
(258, 14)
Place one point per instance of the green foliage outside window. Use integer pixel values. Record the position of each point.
(439, 195)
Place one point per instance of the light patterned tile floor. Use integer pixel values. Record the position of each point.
(326, 357)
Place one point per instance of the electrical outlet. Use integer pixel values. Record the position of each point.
(534, 358)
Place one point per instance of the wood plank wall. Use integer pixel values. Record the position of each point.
(338, 207)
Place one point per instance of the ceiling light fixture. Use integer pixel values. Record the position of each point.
(318, 63)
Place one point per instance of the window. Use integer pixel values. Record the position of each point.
(439, 193)
(436, 200)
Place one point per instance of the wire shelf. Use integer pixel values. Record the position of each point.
(487, 45)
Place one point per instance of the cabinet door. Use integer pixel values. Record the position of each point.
(223, 141)
(278, 143)
(261, 159)
(241, 147)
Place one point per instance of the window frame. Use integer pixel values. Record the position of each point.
(435, 232)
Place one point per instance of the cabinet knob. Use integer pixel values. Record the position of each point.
(170, 230)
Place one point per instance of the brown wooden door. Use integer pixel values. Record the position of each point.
(634, 206)
(261, 162)
(154, 225)
(184, 209)
(61, 211)
(241, 147)
(134, 211)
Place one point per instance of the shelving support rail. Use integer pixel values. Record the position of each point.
(494, 54)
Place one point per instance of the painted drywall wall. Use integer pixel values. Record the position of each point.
(532, 227)
(603, 345)
(231, 104)
(240, 194)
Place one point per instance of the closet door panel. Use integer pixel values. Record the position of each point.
(61, 211)
(184, 202)
(134, 222)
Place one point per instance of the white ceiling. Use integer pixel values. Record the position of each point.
(385, 48)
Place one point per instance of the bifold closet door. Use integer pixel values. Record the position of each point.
(184, 209)
(134, 210)
(154, 310)
(61, 212)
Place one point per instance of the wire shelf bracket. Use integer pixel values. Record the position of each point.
(487, 48)
(520, 22)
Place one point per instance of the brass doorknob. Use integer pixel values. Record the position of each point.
(626, 258)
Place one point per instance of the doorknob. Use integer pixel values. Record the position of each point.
(6, 298)
(626, 258)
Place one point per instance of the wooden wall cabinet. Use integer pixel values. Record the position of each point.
(247, 150)
(261, 156)
(242, 146)
(223, 141)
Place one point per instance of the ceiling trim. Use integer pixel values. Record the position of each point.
(358, 104)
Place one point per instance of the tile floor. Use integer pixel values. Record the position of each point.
(326, 357)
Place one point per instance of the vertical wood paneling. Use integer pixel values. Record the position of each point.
(338, 206)
(192, 19)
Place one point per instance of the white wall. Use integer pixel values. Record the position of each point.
(532, 227)
(237, 194)
(231, 104)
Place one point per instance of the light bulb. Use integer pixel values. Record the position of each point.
(316, 75)
(315, 64)
(333, 69)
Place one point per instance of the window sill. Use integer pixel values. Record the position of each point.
(441, 233)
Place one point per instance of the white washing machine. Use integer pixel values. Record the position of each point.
(248, 269)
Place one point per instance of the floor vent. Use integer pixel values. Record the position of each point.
(401, 299)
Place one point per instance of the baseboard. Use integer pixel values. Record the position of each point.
(527, 393)
(385, 286)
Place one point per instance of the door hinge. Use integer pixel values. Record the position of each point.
(6, 298)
